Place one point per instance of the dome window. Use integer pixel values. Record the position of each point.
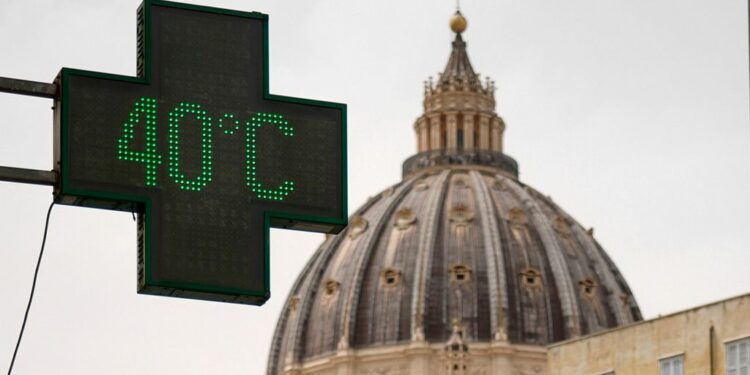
(588, 287)
(357, 226)
(562, 226)
(293, 303)
(331, 287)
(405, 218)
(460, 273)
(499, 184)
(421, 185)
(391, 277)
(460, 215)
(531, 278)
(517, 216)
(460, 182)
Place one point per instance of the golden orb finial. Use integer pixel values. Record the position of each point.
(458, 22)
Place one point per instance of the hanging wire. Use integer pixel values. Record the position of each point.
(33, 287)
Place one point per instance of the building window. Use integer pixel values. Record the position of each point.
(671, 365)
(738, 357)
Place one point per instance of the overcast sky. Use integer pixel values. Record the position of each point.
(631, 115)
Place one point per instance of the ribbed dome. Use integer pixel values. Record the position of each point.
(481, 248)
(459, 263)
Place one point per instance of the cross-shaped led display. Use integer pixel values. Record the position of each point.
(200, 150)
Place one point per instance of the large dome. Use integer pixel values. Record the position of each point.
(459, 256)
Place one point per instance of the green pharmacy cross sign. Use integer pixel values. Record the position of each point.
(197, 146)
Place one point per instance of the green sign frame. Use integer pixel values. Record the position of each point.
(70, 195)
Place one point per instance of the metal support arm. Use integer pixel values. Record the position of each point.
(28, 176)
(23, 87)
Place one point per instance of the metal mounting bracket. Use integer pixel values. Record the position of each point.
(31, 88)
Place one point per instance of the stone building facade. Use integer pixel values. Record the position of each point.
(460, 268)
(708, 340)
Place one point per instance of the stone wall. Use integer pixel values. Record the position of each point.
(699, 335)
(427, 359)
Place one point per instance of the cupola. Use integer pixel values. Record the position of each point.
(459, 125)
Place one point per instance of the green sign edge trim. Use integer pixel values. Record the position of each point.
(338, 222)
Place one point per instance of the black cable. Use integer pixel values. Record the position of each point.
(33, 286)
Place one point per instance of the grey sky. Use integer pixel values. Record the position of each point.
(632, 115)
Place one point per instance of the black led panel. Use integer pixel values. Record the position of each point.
(202, 152)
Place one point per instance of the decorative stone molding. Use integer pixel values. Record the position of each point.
(531, 278)
(343, 345)
(562, 226)
(460, 215)
(421, 185)
(421, 358)
(293, 303)
(588, 288)
(498, 184)
(390, 277)
(517, 216)
(405, 218)
(386, 370)
(417, 334)
(357, 226)
(331, 288)
(459, 181)
(460, 274)
(435, 158)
